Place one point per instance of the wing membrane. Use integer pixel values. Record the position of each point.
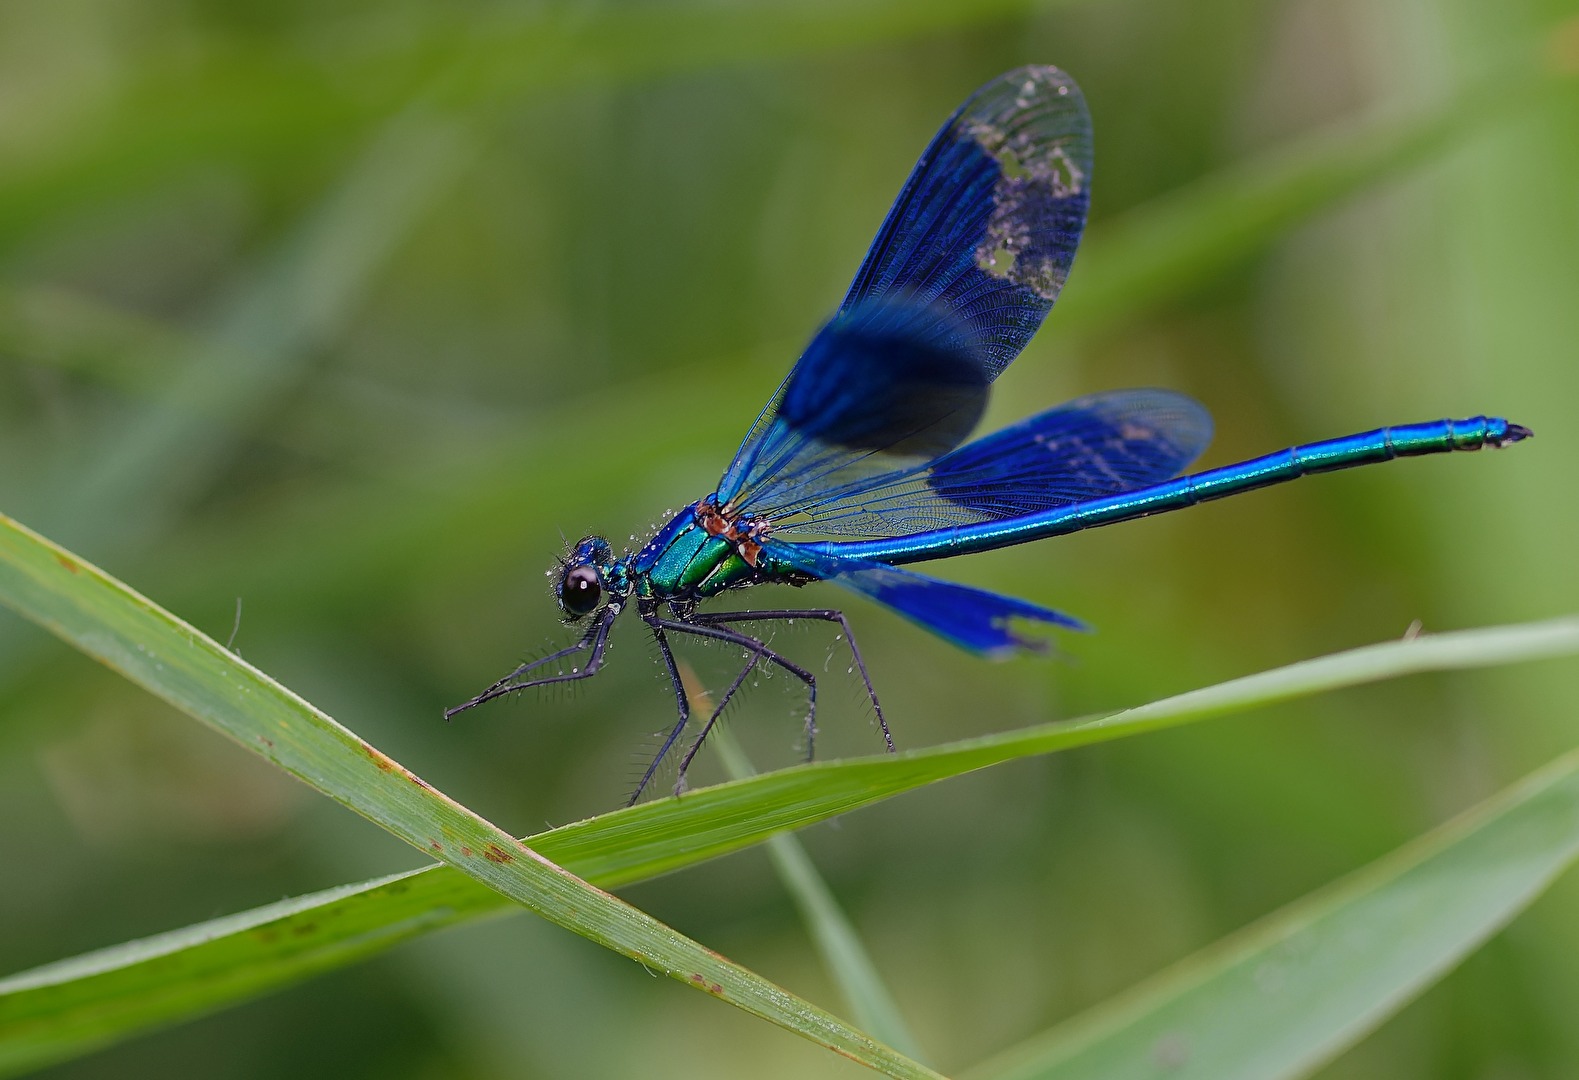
(1098, 445)
(988, 223)
(966, 265)
(882, 390)
(973, 619)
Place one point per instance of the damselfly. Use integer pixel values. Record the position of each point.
(856, 467)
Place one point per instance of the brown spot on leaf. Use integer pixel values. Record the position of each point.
(380, 759)
(68, 563)
(266, 741)
(702, 984)
(436, 846)
(495, 853)
(303, 929)
(466, 851)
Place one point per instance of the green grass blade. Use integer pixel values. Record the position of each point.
(1287, 994)
(841, 948)
(68, 1008)
(843, 953)
(124, 631)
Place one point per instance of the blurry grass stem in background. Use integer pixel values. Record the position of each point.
(845, 958)
(127, 489)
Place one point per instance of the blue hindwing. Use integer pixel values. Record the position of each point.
(1099, 445)
(973, 619)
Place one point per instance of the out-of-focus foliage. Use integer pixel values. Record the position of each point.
(351, 314)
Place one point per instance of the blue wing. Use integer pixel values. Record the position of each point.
(968, 261)
(988, 223)
(882, 390)
(1094, 446)
(973, 619)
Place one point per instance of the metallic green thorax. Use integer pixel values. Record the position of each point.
(683, 561)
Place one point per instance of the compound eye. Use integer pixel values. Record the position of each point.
(580, 591)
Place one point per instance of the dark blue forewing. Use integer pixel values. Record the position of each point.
(885, 386)
(972, 255)
(973, 619)
(988, 222)
(1094, 446)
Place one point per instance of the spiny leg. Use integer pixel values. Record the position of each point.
(682, 703)
(825, 615)
(596, 638)
(682, 706)
(718, 710)
(751, 644)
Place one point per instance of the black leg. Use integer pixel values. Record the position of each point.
(751, 644)
(682, 706)
(596, 638)
(824, 615)
(718, 710)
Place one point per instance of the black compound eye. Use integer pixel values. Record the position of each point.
(580, 591)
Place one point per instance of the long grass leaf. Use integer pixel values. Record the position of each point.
(67, 1008)
(1280, 998)
(126, 632)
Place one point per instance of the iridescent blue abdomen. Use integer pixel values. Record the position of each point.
(1382, 444)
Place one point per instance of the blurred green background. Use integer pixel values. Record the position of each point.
(352, 314)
